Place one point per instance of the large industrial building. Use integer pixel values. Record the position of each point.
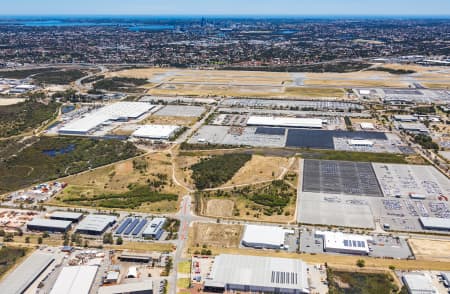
(293, 122)
(49, 225)
(258, 275)
(120, 111)
(145, 287)
(435, 223)
(155, 229)
(156, 132)
(26, 273)
(75, 280)
(269, 237)
(73, 217)
(418, 283)
(344, 243)
(95, 224)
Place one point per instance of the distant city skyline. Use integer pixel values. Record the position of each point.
(229, 7)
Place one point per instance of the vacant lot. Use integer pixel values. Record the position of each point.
(353, 156)
(358, 282)
(169, 120)
(430, 249)
(220, 207)
(24, 116)
(217, 235)
(53, 157)
(59, 77)
(10, 101)
(119, 181)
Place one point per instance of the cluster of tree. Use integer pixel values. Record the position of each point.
(59, 77)
(426, 142)
(395, 71)
(25, 116)
(218, 169)
(119, 84)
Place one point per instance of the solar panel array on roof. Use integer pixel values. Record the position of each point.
(323, 139)
(340, 177)
(270, 131)
(139, 227)
(353, 243)
(284, 278)
(123, 226)
(131, 227)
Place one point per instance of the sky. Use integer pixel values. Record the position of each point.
(226, 7)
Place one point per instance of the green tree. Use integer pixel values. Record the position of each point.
(40, 240)
(119, 241)
(361, 263)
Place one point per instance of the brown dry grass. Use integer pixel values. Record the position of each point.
(430, 249)
(169, 120)
(116, 178)
(220, 208)
(338, 260)
(218, 235)
(259, 168)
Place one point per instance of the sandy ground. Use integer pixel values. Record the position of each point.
(259, 168)
(430, 249)
(10, 101)
(211, 234)
(169, 120)
(220, 207)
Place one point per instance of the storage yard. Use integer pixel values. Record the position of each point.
(360, 195)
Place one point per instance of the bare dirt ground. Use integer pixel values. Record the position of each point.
(220, 208)
(430, 249)
(10, 101)
(219, 235)
(169, 120)
(259, 168)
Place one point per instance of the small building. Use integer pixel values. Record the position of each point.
(75, 280)
(135, 257)
(156, 132)
(95, 224)
(419, 283)
(405, 118)
(132, 272)
(417, 196)
(243, 273)
(415, 128)
(339, 242)
(155, 228)
(49, 225)
(269, 237)
(73, 217)
(144, 287)
(367, 126)
(435, 223)
(111, 277)
(360, 143)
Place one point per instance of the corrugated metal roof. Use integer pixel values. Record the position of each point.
(419, 283)
(257, 271)
(269, 235)
(66, 214)
(75, 280)
(155, 131)
(155, 225)
(96, 222)
(126, 288)
(23, 276)
(435, 223)
(285, 121)
(50, 223)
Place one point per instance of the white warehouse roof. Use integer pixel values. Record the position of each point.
(155, 131)
(259, 272)
(435, 223)
(419, 283)
(285, 122)
(338, 241)
(367, 126)
(112, 112)
(360, 142)
(146, 285)
(75, 280)
(263, 236)
(96, 222)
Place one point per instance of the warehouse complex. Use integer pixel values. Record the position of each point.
(155, 229)
(73, 217)
(49, 225)
(156, 132)
(269, 237)
(95, 224)
(120, 111)
(75, 280)
(339, 242)
(257, 274)
(24, 275)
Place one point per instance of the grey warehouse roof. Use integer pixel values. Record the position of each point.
(127, 288)
(435, 223)
(96, 222)
(66, 214)
(50, 223)
(23, 276)
(258, 271)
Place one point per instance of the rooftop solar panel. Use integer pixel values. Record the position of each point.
(270, 131)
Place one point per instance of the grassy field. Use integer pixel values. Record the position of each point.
(169, 120)
(150, 170)
(183, 283)
(311, 92)
(120, 84)
(357, 282)
(217, 235)
(353, 156)
(24, 116)
(54, 157)
(24, 73)
(59, 77)
(9, 257)
(271, 202)
(347, 261)
(184, 267)
(430, 249)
